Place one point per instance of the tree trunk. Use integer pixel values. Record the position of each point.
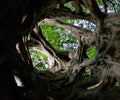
(70, 80)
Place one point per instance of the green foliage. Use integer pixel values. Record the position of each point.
(80, 23)
(84, 9)
(99, 1)
(38, 54)
(59, 38)
(38, 59)
(41, 66)
(112, 6)
(72, 8)
(68, 21)
(87, 72)
(91, 52)
(117, 84)
(69, 5)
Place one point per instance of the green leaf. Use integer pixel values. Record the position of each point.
(117, 84)
(91, 52)
(87, 72)
(70, 6)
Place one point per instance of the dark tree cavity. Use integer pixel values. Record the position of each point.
(66, 80)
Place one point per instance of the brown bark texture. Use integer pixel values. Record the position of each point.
(66, 80)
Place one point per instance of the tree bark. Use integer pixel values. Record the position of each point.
(70, 81)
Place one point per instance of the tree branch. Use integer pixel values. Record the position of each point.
(67, 14)
(94, 9)
(74, 29)
(41, 39)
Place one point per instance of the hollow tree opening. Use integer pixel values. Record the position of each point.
(79, 37)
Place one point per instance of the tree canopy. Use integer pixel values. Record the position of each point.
(59, 49)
